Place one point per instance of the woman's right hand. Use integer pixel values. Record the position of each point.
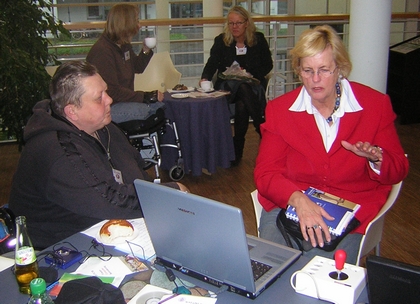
(311, 218)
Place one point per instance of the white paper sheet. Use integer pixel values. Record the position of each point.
(114, 267)
(141, 245)
(5, 263)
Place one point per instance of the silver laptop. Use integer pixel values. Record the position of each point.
(206, 240)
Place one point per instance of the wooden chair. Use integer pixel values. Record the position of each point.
(373, 236)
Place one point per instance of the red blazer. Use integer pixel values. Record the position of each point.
(292, 155)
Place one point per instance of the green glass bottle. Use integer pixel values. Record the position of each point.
(26, 265)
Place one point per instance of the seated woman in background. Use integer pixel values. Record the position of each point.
(330, 134)
(241, 42)
(117, 63)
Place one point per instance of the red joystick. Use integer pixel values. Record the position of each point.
(340, 258)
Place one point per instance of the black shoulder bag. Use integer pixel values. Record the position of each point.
(291, 229)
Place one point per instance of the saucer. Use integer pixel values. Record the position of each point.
(205, 91)
(180, 95)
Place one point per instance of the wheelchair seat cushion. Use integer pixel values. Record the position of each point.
(150, 124)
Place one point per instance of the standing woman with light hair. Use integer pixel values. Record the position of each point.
(117, 63)
(241, 42)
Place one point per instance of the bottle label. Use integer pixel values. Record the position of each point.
(25, 256)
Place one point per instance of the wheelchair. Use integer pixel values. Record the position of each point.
(145, 136)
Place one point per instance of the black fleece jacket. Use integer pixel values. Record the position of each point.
(64, 182)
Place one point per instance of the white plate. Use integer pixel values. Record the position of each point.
(180, 95)
(190, 89)
(205, 91)
(119, 240)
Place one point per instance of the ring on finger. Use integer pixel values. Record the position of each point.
(314, 227)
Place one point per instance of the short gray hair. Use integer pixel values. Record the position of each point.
(66, 87)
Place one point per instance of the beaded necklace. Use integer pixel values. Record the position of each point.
(337, 102)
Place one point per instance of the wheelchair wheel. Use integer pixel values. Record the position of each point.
(176, 173)
(148, 164)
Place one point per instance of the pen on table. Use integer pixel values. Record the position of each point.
(51, 286)
(167, 299)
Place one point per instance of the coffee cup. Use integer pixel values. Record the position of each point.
(206, 85)
(150, 42)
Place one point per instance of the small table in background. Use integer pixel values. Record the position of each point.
(204, 130)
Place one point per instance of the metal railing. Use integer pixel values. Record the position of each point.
(187, 42)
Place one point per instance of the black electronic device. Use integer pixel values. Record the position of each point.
(403, 79)
(391, 281)
(63, 257)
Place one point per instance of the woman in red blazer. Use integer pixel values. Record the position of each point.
(331, 134)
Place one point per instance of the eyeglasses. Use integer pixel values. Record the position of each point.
(236, 23)
(325, 73)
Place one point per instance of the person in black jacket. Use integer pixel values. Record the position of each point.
(77, 168)
(241, 42)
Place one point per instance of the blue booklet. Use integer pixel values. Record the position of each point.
(341, 209)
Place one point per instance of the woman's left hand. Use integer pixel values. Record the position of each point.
(365, 149)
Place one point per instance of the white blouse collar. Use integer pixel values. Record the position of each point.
(348, 102)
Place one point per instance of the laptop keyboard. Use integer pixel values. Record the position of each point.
(259, 269)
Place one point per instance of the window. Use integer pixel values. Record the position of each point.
(93, 11)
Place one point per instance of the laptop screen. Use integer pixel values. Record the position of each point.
(206, 239)
(391, 281)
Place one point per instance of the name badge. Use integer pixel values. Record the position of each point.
(127, 55)
(241, 51)
(117, 176)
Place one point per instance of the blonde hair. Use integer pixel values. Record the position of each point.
(250, 30)
(316, 40)
(122, 23)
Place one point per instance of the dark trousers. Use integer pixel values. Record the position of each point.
(247, 104)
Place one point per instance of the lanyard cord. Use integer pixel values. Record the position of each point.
(107, 150)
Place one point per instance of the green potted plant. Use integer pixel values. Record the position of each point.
(24, 25)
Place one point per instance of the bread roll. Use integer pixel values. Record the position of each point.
(116, 230)
(180, 87)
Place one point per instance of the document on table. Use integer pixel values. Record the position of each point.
(141, 245)
(114, 268)
(6, 263)
(213, 94)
